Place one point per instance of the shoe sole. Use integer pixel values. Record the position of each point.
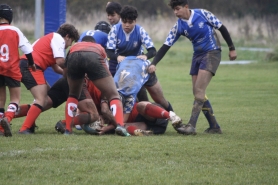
(6, 127)
(213, 132)
(187, 133)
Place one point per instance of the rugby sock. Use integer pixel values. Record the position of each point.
(196, 109)
(31, 117)
(12, 108)
(71, 108)
(22, 111)
(117, 110)
(1, 129)
(208, 112)
(2, 112)
(131, 129)
(156, 111)
(170, 108)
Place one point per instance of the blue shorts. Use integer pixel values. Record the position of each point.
(208, 61)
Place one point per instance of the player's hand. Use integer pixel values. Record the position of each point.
(151, 68)
(120, 58)
(105, 129)
(33, 67)
(143, 57)
(232, 55)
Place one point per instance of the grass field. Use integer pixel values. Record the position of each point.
(244, 98)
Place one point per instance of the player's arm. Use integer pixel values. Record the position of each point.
(111, 54)
(226, 35)
(160, 54)
(31, 61)
(107, 117)
(60, 64)
(148, 43)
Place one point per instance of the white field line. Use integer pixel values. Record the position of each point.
(13, 153)
(236, 62)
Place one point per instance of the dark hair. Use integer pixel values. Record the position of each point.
(6, 12)
(88, 39)
(128, 13)
(103, 26)
(113, 7)
(70, 30)
(174, 3)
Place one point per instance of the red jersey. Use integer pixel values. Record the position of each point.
(88, 46)
(47, 48)
(12, 39)
(95, 94)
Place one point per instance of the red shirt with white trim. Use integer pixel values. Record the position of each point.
(11, 38)
(47, 48)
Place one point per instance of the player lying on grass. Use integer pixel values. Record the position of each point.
(144, 119)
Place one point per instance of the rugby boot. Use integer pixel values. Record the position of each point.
(121, 131)
(187, 129)
(33, 128)
(67, 133)
(176, 120)
(7, 127)
(26, 132)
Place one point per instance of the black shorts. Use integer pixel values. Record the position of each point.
(7, 81)
(59, 92)
(152, 80)
(80, 62)
(158, 126)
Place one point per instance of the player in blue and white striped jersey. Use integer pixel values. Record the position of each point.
(125, 40)
(198, 26)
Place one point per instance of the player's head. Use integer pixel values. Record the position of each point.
(113, 10)
(69, 33)
(175, 3)
(68, 30)
(6, 12)
(103, 26)
(128, 13)
(88, 38)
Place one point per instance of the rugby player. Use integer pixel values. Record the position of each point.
(198, 25)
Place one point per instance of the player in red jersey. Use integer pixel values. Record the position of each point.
(87, 57)
(49, 50)
(11, 39)
(146, 118)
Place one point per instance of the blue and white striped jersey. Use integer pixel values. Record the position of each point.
(199, 29)
(99, 36)
(128, 44)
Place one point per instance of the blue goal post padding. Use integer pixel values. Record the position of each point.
(54, 16)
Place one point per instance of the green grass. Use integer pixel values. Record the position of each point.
(244, 98)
